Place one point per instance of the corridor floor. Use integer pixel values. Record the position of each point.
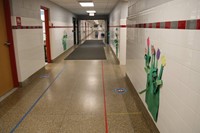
(74, 96)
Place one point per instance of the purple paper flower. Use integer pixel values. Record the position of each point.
(158, 54)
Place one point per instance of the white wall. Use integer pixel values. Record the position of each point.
(180, 95)
(114, 20)
(56, 36)
(29, 47)
(122, 45)
(118, 17)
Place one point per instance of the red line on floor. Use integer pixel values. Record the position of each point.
(104, 95)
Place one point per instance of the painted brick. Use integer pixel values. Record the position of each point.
(182, 24)
(167, 25)
(191, 24)
(198, 24)
(174, 24)
(158, 25)
(150, 25)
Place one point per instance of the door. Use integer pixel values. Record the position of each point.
(47, 33)
(74, 30)
(6, 79)
(78, 32)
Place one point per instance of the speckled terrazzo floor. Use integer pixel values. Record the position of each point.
(71, 100)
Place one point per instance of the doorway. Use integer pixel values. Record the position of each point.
(75, 30)
(8, 71)
(44, 14)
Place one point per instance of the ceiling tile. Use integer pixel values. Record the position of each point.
(101, 6)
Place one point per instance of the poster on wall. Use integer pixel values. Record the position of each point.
(18, 21)
(154, 78)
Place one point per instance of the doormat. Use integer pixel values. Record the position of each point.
(120, 90)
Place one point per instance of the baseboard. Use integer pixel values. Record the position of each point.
(114, 55)
(142, 107)
(31, 78)
(71, 48)
(7, 94)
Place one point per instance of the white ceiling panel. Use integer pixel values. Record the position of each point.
(101, 6)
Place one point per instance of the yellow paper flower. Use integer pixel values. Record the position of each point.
(163, 61)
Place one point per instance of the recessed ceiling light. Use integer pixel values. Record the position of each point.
(86, 4)
(91, 14)
(91, 11)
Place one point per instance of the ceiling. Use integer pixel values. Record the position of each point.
(102, 7)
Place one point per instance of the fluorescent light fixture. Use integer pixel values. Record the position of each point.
(91, 14)
(91, 11)
(86, 4)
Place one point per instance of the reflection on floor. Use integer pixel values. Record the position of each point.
(71, 100)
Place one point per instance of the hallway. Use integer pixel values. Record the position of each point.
(99, 66)
(68, 97)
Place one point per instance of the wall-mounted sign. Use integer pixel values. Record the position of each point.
(18, 21)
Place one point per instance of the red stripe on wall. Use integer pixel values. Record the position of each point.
(182, 24)
(158, 25)
(150, 25)
(114, 26)
(167, 25)
(26, 27)
(198, 24)
(123, 26)
(61, 27)
(119, 26)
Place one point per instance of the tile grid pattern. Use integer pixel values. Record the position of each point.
(180, 94)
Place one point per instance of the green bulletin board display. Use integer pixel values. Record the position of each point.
(154, 78)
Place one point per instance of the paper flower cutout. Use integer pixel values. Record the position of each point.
(146, 51)
(148, 42)
(163, 61)
(152, 50)
(158, 54)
